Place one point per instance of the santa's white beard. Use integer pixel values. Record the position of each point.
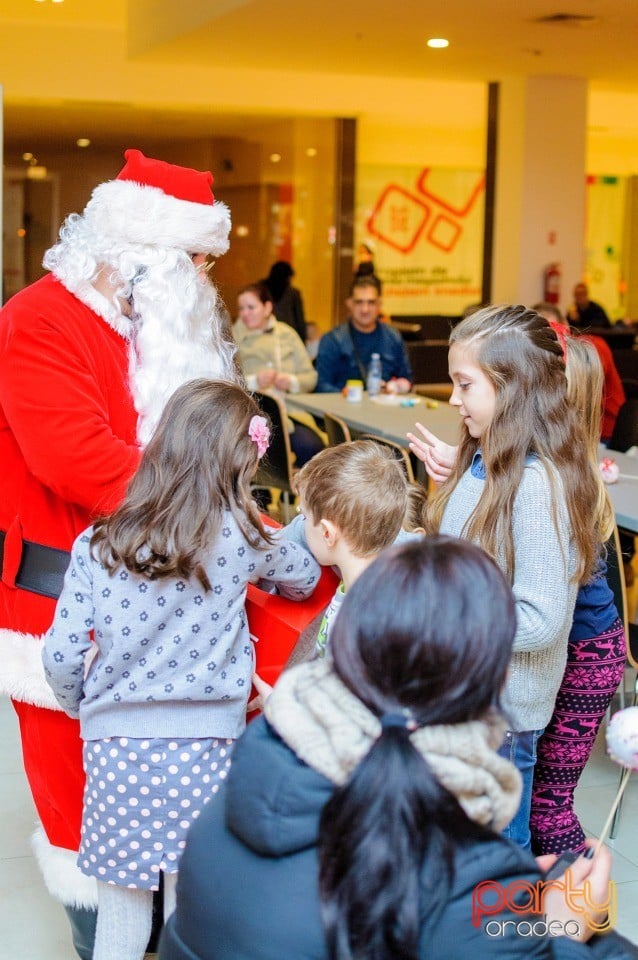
(179, 336)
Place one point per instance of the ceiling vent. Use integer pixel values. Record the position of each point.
(569, 19)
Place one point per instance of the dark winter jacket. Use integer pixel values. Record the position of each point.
(344, 354)
(247, 887)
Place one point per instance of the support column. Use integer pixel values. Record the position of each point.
(539, 209)
(346, 146)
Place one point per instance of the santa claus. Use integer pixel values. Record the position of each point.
(88, 356)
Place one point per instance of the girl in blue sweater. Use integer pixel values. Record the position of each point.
(150, 647)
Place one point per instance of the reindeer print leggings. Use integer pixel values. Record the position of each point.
(593, 672)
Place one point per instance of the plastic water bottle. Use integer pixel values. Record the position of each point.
(375, 377)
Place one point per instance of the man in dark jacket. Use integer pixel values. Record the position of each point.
(585, 312)
(345, 352)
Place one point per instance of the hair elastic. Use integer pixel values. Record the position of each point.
(401, 720)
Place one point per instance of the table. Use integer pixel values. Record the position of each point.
(389, 421)
(624, 494)
(393, 422)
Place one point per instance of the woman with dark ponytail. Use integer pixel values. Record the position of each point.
(360, 818)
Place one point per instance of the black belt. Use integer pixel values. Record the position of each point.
(41, 568)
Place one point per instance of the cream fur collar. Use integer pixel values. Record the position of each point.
(331, 730)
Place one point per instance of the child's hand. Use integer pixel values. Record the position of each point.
(263, 692)
(437, 456)
(598, 893)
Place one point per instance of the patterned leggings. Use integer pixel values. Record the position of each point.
(593, 672)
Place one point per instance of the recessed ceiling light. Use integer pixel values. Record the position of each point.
(83, 142)
(311, 152)
(275, 157)
(438, 43)
(27, 156)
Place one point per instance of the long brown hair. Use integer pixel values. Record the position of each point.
(199, 462)
(520, 354)
(585, 385)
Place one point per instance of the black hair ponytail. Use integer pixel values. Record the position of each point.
(375, 833)
(387, 836)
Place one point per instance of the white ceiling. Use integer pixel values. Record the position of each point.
(360, 39)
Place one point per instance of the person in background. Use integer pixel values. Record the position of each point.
(313, 336)
(287, 301)
(89, 355)
(150, 647)
(523, 487)
(584, 312)
(274, 358)
(365, 262)
(613, 395)
(360, 815)
(345, 352)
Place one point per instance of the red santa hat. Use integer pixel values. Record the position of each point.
(154, 203)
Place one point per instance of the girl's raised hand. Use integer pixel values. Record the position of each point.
(437, 456)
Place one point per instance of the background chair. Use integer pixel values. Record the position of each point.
(336, 429)
(630, 386)
(625, 433)
(400, 453)
(616, 581)
(276, 467)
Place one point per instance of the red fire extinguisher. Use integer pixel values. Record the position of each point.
(551, 284)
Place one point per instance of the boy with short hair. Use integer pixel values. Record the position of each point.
(353, 498)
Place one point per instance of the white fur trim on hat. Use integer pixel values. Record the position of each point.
(137, 214)
(21, 670)
(62, 876)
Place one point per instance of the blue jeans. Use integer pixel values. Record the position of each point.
(520, 749)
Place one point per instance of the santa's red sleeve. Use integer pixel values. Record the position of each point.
(68, 449)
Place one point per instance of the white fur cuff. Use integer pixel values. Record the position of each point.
(62, 877)
(21, 671)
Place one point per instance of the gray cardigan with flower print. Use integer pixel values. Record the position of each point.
(169, 658)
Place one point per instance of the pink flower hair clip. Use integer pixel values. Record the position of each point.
(259, 432)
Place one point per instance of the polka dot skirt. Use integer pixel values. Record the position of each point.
(141, 796)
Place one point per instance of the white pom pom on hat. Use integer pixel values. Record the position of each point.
(155, 203)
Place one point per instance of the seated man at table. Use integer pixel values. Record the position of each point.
(345, 352)
(584, 312)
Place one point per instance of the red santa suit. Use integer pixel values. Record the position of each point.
(68, 446)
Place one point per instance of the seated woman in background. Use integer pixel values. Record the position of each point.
(274, 358)
(359, 819)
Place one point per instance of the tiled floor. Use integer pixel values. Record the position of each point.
(34, 927)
